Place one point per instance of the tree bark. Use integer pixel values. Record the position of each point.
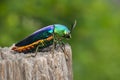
(44, 66)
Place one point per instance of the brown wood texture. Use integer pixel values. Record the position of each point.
(45, 66)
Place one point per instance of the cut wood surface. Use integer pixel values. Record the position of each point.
(44, 66)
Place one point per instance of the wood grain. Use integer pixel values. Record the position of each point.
(45, 66)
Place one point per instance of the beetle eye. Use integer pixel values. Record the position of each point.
(67, 36)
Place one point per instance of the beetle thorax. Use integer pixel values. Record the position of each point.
(61, 30)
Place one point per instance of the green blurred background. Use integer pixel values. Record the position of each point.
(95, 40)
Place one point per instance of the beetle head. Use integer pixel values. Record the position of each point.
(68, 33)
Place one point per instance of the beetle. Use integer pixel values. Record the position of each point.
(43, 37)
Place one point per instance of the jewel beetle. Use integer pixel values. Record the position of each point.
(43, 37)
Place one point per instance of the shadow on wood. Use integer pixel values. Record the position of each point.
(42, 67)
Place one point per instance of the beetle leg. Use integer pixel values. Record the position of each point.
(35, 51)
(42, 44)
(39, 45)
(53, 47)
(33, 55)
(64, 51)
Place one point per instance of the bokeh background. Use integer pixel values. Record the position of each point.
(95, 40)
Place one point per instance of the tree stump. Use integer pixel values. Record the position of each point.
(44, 66)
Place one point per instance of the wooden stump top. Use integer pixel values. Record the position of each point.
(45, 66)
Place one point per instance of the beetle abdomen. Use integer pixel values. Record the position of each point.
(31, 47)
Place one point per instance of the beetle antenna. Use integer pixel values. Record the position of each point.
(73, 26)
